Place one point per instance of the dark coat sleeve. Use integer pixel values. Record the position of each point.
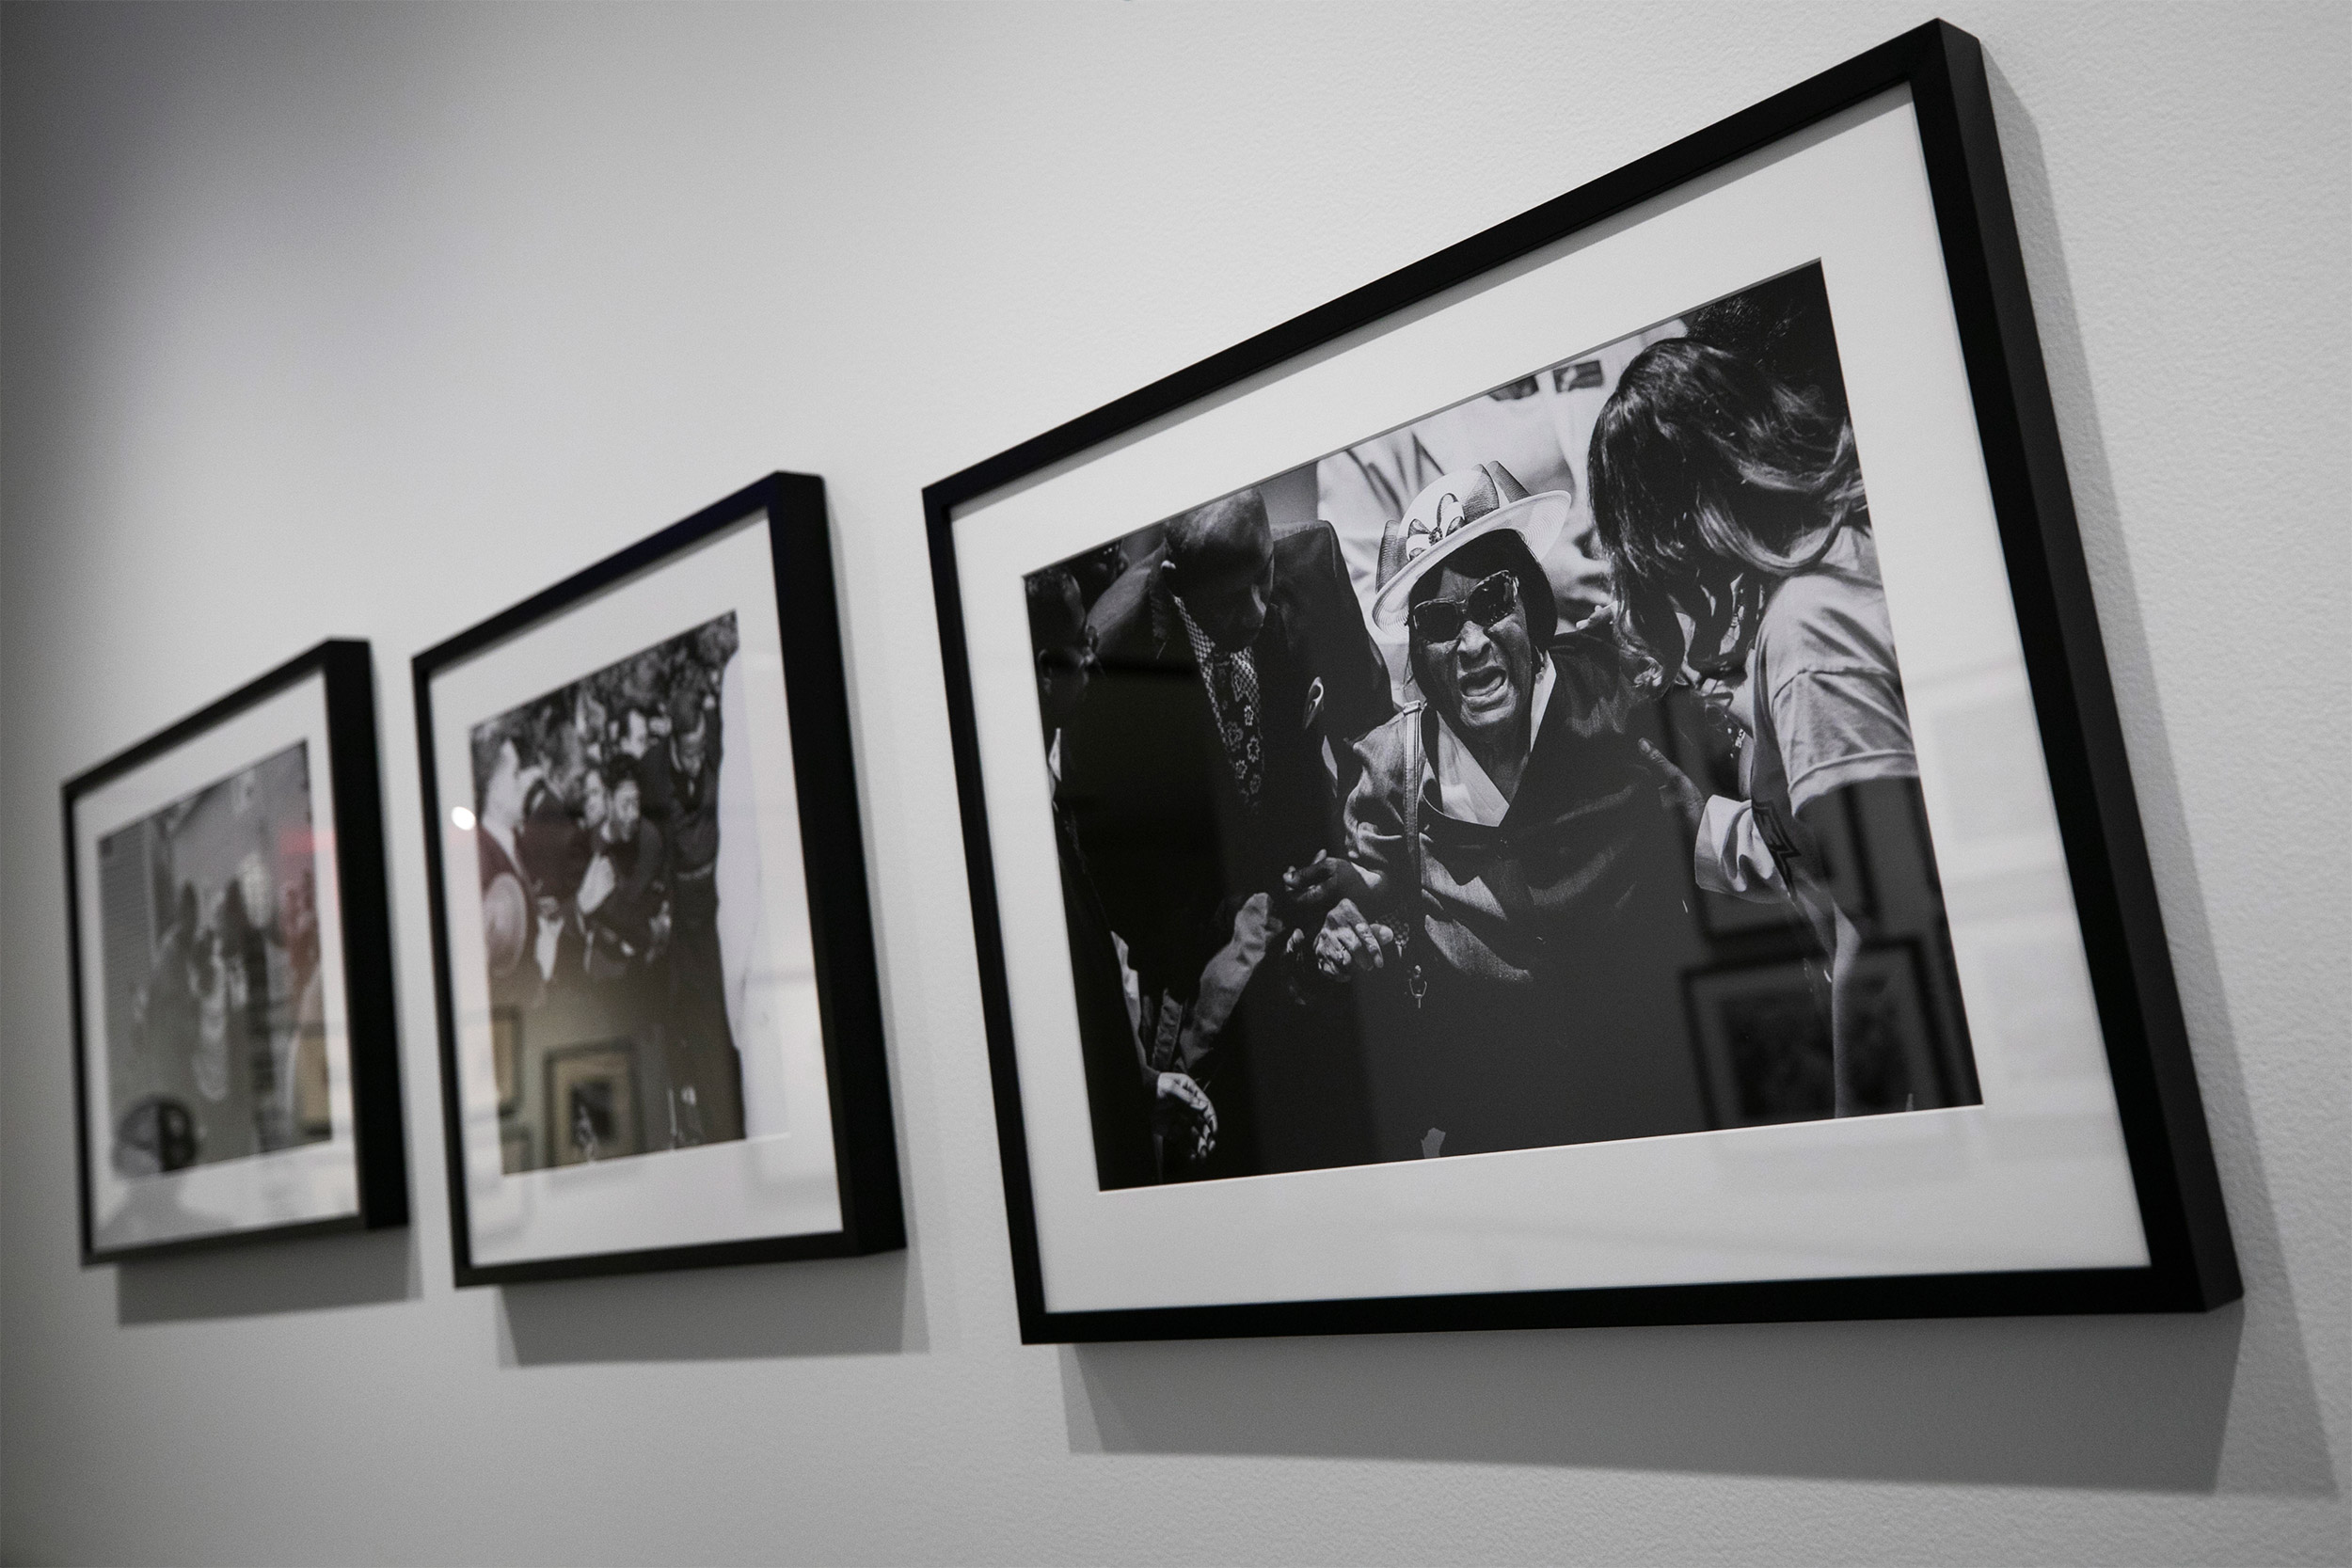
(1376, 816)
(628, 910)
(1314, 577)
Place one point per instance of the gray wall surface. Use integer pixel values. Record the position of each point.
(370, 321)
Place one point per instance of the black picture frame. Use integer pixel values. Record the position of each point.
(345, 666)
(833, 852)
(2191, 1263)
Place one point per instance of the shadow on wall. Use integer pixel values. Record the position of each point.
(836, 1307)
(2133, 1403)
(298, 1275)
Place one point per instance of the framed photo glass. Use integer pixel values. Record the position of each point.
(235, 1058)
(659, 1026)
(1577, 784)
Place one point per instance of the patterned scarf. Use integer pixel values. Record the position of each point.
(1232, 683)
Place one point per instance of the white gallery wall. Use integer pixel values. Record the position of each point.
(370, 320)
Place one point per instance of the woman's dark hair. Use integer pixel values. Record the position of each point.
(1704, 459)
(1501, 551)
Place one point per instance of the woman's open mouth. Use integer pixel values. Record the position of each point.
(1484, 685)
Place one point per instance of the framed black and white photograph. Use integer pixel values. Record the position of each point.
(1577, 783)
(236, 1056)
(661, 1026)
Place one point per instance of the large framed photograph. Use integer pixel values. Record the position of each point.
(660, 1024)
(1578, 784)
(236, 1064)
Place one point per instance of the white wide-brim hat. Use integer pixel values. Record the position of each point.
(1460, 509)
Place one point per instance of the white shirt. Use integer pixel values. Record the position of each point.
(1464, 790)
(1731, 855)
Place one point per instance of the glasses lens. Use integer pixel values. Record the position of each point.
(1439, 620)
(1493, 599)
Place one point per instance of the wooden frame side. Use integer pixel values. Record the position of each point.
(2191, 1255)
(370, 1008)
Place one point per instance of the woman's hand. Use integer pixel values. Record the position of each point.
(1348, 943)
(1322, 882)
(1687, 801)
(1181, 1113)
(596, 886)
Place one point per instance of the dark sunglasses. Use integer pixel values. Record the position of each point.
(1489, 601)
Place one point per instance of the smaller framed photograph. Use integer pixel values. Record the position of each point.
(236, 1066)
(592, 1102)
(1766, 1055)
(660, 1024)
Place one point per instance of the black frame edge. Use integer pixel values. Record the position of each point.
(832, 847)
(833, 852)
(2192, 1263)
(370, 994)
(2178, 1183)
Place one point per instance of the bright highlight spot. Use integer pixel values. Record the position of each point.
(462, 818)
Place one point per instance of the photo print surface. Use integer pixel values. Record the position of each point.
(1535, 773)
(604, 836)
(214, 1013)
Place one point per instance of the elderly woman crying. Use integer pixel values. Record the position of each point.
(1519, 862)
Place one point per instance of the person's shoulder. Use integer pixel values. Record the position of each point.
(1594, 691)
(1123, 613)
(1312, 549)
(1833, 614)
(1384, 747)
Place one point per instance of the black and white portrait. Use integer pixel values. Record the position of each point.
(603, 841)
(215, 1025)
(1399, 797)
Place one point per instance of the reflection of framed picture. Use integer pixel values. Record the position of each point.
(651, 935)
(234, 1058)
(1764, 1042)
(1329, 869)
(592, 1103)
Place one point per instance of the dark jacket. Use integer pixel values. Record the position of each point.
(685, 807)
(1120, 1084)
(620, 930)
(1507, 903)
(1172, 849)
(1549, 945)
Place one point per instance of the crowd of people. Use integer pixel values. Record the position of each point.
(228, 1041)
(596, 816)
(1311, 925)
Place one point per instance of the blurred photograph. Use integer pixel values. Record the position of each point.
(597, 816)
(214, 1027)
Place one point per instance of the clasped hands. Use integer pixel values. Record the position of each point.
(1348, 943)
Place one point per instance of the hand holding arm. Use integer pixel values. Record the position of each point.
(1685, 799)
(1350, 945)
(1324, 882)
(1181, 1111)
